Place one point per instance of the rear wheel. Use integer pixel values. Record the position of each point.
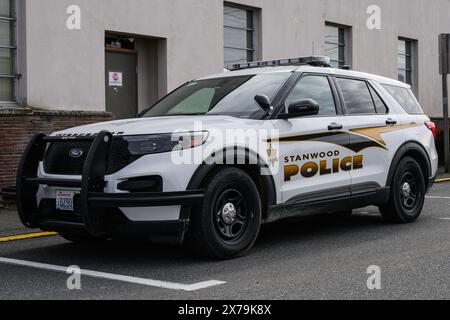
(407, 193)
(228, 223)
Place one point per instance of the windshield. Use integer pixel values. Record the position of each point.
(232, 96)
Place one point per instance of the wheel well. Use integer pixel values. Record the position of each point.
(263, 183)
(417, 153)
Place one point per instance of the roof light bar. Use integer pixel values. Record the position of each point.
(315, 61)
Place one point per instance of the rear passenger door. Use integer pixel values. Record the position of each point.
(371, 129)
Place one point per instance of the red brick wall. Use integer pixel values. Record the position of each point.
(16, 131)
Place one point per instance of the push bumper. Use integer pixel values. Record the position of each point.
(94, 207)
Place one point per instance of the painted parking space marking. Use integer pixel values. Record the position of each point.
(438, 198)
(116, 277)
(442, 180)
(27, 236)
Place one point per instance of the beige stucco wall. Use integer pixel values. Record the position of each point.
(64, 69)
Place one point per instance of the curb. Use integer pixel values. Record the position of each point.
(27, 236)
(6, 205)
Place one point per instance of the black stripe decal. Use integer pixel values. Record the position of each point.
(354, 142)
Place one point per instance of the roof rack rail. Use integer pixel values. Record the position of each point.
(315, 61)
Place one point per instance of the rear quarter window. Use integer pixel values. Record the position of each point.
(357, 97)
(405, 98)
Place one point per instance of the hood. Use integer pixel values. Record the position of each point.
(157, 125)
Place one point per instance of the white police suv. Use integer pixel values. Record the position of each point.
(221, 155)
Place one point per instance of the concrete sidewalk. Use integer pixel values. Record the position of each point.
(442, 175)
(10, 223)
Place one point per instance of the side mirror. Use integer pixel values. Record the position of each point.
(264, 102)
(301, 108)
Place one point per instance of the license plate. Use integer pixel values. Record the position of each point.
(64, 200)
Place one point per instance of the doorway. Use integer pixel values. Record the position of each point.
(135, 73)
(121, 82)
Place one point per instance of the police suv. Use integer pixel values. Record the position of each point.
(322, 141)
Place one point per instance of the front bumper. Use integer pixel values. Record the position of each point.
(97, 212)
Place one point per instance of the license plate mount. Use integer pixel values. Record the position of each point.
(65, 200)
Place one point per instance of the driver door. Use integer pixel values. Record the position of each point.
(315, 160)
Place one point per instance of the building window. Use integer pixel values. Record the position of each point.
(239, 35)
(7, 51)
(337, 44)
(406, 65)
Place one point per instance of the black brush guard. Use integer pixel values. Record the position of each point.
(93, 202)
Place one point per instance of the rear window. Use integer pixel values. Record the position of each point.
(405, 98)
(357, 97)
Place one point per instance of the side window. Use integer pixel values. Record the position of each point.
(357, 97)
(316, 88)
(379, 104)
(405, 98)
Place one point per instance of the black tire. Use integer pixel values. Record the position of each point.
(407, 193)
(81, 237)
(222, 231)
(344, 214)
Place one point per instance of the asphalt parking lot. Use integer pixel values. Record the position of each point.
(313, 258)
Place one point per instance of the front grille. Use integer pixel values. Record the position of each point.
(57, 159)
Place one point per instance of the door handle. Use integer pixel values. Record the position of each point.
(391, 122)
(335, 126)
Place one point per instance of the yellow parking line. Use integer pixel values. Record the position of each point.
(27, 236)
(442, 180)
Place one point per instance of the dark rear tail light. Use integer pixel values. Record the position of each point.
(432, 126)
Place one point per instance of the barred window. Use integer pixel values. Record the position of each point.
(239, 34)
(336, 44)
(405, 58)
(7, 51)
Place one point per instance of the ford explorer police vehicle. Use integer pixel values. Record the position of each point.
(335, 140)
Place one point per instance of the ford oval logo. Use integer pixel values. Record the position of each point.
(75, 153)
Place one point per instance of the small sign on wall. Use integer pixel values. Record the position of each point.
(115, 79)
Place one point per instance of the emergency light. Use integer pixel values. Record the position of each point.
(315, 61)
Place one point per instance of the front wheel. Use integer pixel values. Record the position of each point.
(407, 193)
(227, 224)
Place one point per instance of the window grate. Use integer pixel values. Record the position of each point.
(335, 44)
(239, 33)
(405, 56)
(8, 52)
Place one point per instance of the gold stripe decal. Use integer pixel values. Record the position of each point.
(375, 133)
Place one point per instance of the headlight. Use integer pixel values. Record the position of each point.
(161, 143)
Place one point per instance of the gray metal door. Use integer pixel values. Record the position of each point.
(121, 84)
